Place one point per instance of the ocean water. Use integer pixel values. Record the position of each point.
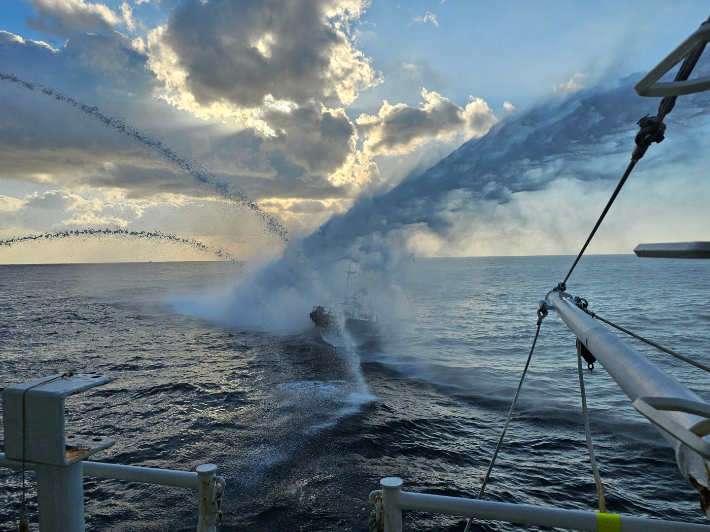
(302, 431)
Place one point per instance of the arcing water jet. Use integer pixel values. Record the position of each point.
(193, 168)
(155, 235)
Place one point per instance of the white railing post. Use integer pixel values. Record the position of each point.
(210, 488)
(391, 488)
(35, 432)
(60, 498)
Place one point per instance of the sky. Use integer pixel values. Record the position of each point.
(235, 123)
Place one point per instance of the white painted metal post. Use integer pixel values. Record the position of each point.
(35, 432)
(60, 497)
(209, 498)
(391, 488)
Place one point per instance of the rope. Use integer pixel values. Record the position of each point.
(652, 130)
(649, 342)
(376, 522)
(588, 434)
(541, 313)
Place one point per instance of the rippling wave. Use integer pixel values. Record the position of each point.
(303, 432)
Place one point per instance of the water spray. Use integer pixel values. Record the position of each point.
(153, 235)
(193, 168)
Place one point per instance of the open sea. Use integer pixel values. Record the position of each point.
(303, 431)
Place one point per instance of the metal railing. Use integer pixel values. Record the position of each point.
(394, 501)
(205, 480)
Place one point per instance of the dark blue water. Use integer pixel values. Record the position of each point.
(303, 432)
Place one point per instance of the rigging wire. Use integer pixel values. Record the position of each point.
(541, 313)
(588, 434)
(647, 341)
(652, 130)
(601, 218)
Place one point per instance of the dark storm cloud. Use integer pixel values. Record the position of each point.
(319, 139)
(242, 51)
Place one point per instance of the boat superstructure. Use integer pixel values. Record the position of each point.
(361, 322)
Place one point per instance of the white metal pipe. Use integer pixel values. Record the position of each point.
(532, 515)
(146, 475)
(640, 378)
(634, 373)
(517, 513)
(60, 498)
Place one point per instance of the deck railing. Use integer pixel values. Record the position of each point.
(394, 501)
(205, 480)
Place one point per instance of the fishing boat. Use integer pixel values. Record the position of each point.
(361, 323)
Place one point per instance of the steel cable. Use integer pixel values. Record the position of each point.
(541, 314)
(652, 130)
(650, 342)
(601, 218)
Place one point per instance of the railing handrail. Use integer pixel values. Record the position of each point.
(395, 500)
(146, 475)
(208, 485)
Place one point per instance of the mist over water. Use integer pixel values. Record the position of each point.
(582, 138)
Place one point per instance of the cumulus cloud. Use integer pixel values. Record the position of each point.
(574, 84)
(399, 129)
(427, 17)
(266, 93)
(222, 52)
(315, 137)
(10, 204)
(61, 209)
(63, 17)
